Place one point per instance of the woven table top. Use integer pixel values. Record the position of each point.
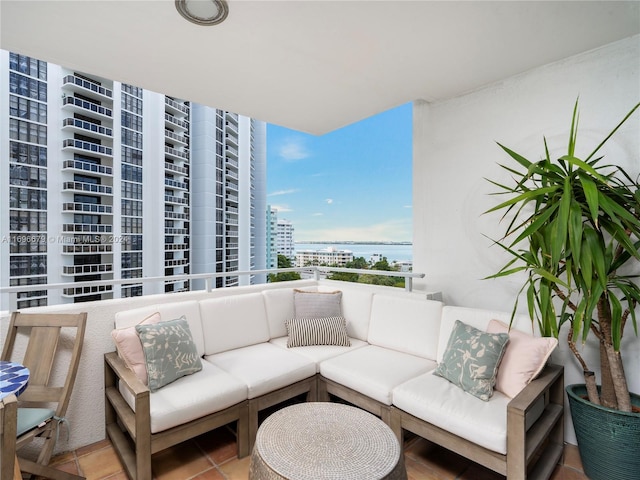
(323, 440)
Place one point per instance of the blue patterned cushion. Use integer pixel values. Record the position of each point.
(169, 351)
(471, 359)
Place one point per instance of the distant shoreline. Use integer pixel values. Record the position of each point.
(348, 242)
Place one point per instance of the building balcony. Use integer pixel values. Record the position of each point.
(175, 184)
(94, 168)
(74, 270)
(231, 152)
(86, 228)
(232, 139)
(175, 137)
(82, 146)
(232, 162)
(87, 249)
(87, 108)
(171, 167)
(84, 291)
(173, 122)
(176, 262)
(77, 125)
(87, 207)
(175, 247)
(87, 187)
(231, 174)
(176, 154)
(176, 200)
(176, 216)
(231, 198)
(176, 231)
(176, 107)
(87, 88)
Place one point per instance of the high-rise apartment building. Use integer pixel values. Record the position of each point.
(286, 243)
(101, 180)
(272, 237)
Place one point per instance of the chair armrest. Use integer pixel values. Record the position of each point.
(541, 385)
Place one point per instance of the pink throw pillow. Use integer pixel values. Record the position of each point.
(130, 349)
(523, 360)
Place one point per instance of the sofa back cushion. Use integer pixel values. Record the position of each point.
(278, 303)
(356, 310)
(233, 322)
(168, 311)
(407, 324)
(478, 318)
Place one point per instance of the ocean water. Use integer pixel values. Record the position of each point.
(394, 253)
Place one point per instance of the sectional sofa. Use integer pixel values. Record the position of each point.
(396, 340)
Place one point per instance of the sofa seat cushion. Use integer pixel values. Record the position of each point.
(264, 367)
(208, 391)
(439, 402)
(319, 353)
(374, 371)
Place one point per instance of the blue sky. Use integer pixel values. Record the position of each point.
(352, 184)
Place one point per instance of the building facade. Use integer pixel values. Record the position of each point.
(286, 242)
(101, 180)
(272, 238)
(325, 256)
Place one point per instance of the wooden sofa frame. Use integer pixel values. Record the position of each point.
(130, 432)
(535, 427)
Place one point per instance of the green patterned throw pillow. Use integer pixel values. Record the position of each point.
(471, 359)
(169, 351)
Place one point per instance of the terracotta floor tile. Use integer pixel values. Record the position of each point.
(220, 444)
(440, 460)
(567, 473)
(100, 464)
(211, 474)
(572, 457)
(179, 462)
(236, 469)
(92, 447)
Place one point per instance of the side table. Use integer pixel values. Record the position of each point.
(322, 441)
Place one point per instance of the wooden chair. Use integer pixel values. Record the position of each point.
(43, 405)
(9, 469)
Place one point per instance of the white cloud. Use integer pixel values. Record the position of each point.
(283, 192)
(282, 208)
(293, 149)
(329, 201)
(407, 206)
(317, 214)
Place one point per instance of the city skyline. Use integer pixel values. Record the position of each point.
(353, 184)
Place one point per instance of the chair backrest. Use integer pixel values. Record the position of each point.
(44, 332)
(8, 419)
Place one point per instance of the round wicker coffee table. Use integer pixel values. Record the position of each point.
(325, 441)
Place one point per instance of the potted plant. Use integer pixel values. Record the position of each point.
(574, 230)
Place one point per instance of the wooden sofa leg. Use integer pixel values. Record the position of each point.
(395, 423)
(322, 393)
(312, 395)
(243, 432)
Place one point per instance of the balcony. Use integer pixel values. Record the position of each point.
(175, 184)
(176, 107)
(86, 228)
(87, 87)
(84, 291)
(87, 108)
(173, 121)
(176, 200)
(176, 154)
(87, 207)
(231, 152)
(171, 167)
(87, 187)
(87, 269)
(83, 126)
(80, 165)
(82, 146)
(87, 249)
(174, 136)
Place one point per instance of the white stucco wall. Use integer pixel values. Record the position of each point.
(455, 149)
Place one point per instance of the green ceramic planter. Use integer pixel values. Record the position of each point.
(608, 440)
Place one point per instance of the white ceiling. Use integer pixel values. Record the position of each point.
(313, 66)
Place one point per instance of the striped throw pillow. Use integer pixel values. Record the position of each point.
(317, 331)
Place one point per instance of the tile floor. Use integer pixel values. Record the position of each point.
(212, 456)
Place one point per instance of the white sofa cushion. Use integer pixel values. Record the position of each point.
(233, 322)
(278, 304)
(318, 353)
(356, 309)
(406, 324)
(264, 367)
(441, 403)
(188, 398)
(476, 317)
(168, 311)
(374, 371)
